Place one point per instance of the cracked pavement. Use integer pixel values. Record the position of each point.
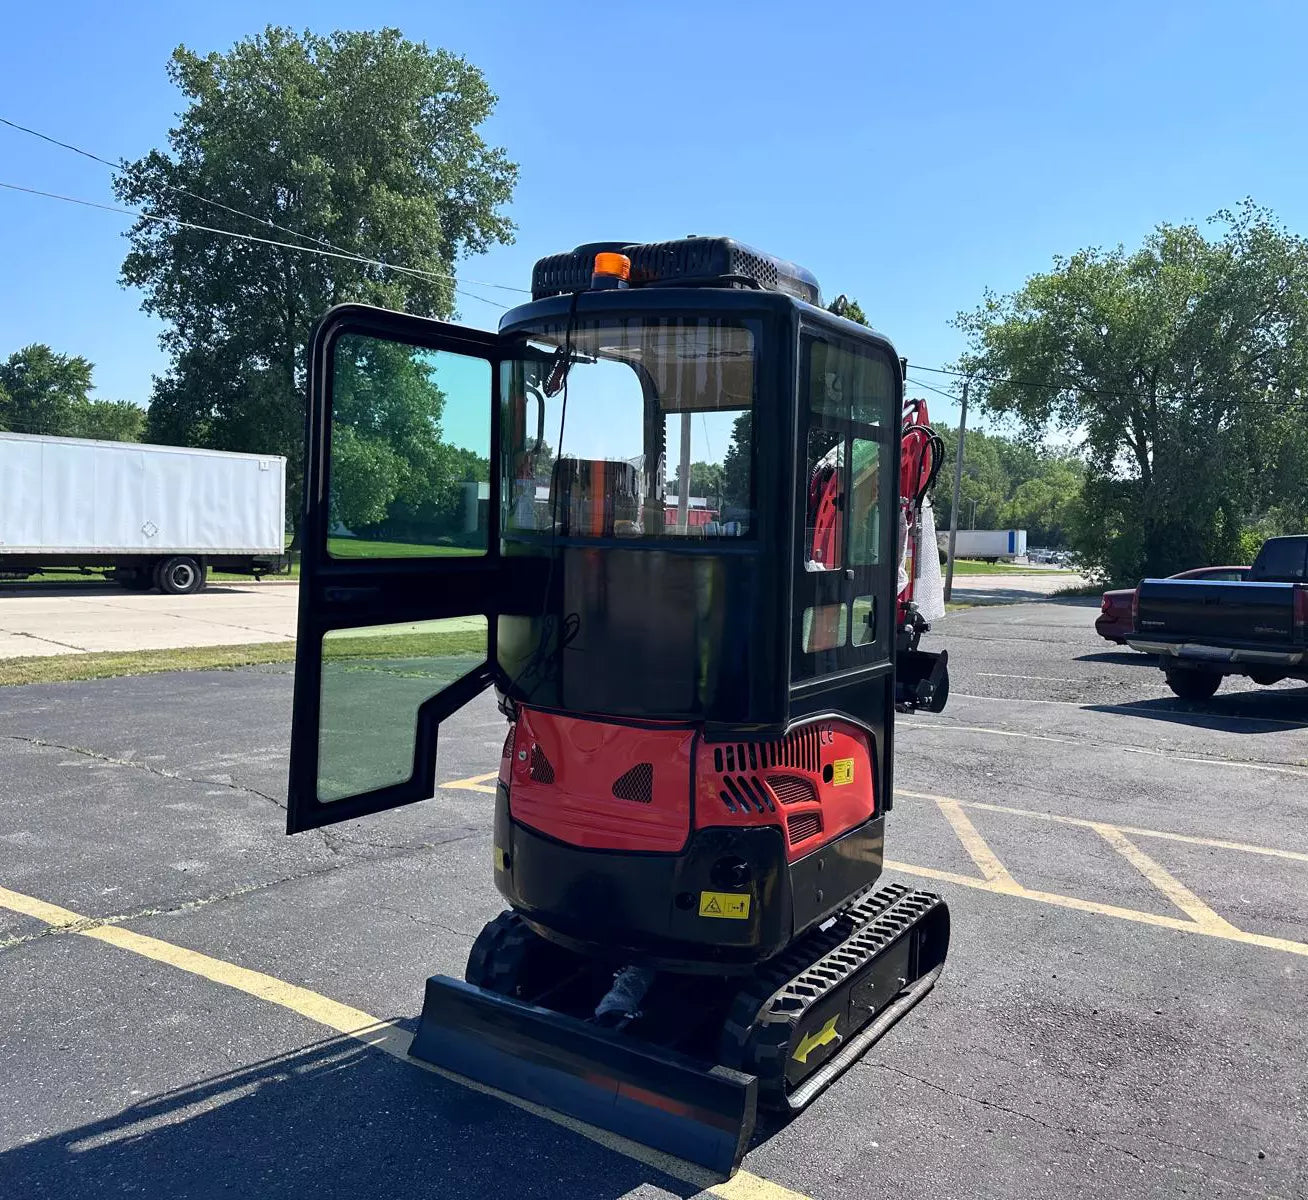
(1063, 1053)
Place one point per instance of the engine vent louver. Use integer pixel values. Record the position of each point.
(542, 770)
(636, 784)
(800, 750)
(802, 826)
(793, 789)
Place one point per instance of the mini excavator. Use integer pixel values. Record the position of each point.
(691, 801)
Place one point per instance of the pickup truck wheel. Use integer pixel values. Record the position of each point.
(1193, 685)
(179, 576)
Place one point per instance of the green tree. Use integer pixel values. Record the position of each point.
(40, 391)
(850, 309)
(108, 421)
(986, 485)
(386, 431)
(364, 142)
(705, 480)
(735, 464)
(1172, 366)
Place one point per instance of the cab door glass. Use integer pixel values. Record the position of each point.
(849, 508)
(410, 451)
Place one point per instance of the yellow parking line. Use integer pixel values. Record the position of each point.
(1132, 830)
(1104, 910)
(475, 784)
(1165, 882)
(382, 1035)
(994, 871)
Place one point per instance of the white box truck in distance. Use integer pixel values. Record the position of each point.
(990, 545)
(150, 516)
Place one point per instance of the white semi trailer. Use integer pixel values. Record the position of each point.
(991, 545)
(149, 516)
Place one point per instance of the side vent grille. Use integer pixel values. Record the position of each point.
(793, 789)
(542, 771)
(800, 751)
(636, 784)
(803, 825)
(746, 793)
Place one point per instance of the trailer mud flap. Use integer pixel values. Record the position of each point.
(696, 1111)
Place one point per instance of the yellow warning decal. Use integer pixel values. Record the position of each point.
(811, 1041)
(731, 905)
(842, 772)
(499, 858)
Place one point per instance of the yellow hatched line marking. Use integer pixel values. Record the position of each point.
(1132, 830)
(381, 1035)
(997, 879)
(1104, 910)
(477, 783)
(994, 871)
(1165, 882)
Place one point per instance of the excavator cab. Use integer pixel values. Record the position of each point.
(659, 514)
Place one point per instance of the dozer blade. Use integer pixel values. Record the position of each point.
(694, 1110)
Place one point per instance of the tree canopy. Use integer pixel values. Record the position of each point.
(45, 392)
(1180, 369)
(705, 480)
(361, 143)
(1011, 484)
(393, 471)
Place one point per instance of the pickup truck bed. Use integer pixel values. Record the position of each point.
(1202, 631)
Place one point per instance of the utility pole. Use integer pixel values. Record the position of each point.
(958, 487)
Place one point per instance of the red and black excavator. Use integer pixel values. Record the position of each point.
(690, 809)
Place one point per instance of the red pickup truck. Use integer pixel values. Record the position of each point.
(1115, 621)
(1202, 631)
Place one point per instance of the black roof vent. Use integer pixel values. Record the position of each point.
(687, 262)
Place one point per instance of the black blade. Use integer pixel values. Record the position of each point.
(699, 1112)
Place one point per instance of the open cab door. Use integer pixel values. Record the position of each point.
(400, 567)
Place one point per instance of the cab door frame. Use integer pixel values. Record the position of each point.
(351, 593)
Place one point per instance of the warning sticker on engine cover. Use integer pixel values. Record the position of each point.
(730, 905)
(842, 772)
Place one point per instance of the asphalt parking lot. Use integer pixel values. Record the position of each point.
(199, 1006)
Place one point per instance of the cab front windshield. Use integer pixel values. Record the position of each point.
(631, 428)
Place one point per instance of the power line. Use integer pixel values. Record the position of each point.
(117, 169)
(231, 233)
(1068, 385)
(929, 388)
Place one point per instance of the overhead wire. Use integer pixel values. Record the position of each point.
(245, 237)
(1054, 385)
(118, 169)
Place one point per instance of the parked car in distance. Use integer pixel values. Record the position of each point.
(1115, 621)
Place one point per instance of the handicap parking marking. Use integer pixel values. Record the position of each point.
(387, 1036)
(995, 877)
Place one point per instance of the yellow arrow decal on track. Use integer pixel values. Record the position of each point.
(811, 1041)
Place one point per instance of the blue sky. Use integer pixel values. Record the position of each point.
(910, 155)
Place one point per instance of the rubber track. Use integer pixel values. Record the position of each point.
(764, 1016)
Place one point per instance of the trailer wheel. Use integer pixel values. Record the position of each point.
(179, 576)
(1190, 684)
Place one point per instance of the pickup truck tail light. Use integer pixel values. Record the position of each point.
(1135, 609)
(1300, 613)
